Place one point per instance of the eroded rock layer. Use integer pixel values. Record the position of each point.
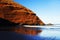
(17, 13)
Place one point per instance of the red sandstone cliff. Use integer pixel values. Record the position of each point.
(12, 13)
(17, 13)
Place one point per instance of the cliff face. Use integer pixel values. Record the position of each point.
(12, 14)
(17, 13)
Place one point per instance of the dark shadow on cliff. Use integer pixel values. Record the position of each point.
(6, 23)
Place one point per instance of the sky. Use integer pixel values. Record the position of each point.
(47, 10)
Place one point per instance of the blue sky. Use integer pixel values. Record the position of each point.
(47, 10)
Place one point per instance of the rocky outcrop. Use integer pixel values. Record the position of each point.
(5, 23)
(17, 13)
(13, 16)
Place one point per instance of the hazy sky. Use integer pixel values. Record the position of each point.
(47, 10)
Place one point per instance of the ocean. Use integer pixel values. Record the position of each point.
(48, 33)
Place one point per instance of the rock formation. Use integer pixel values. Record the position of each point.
(12, 14)
(17, 13)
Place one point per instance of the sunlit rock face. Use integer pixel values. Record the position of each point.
(17, 13)
(12, 14)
